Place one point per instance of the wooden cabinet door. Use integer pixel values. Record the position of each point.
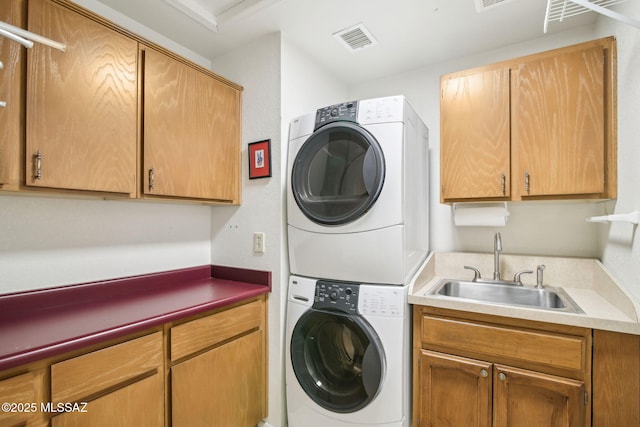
(81, 104)
(26, 391)
(455, 391)
(11, 134)
(138, 404)
(191, 132)
(222, 387)
(475, 135)
(559, 124)
(526, 398)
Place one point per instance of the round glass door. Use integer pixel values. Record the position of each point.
(338, 360)
(338, 174)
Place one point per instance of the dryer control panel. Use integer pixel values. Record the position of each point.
(337, 296)
(347, 111)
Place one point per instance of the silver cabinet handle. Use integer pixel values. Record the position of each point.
(38, 165)
(484, 373)
(152, 179)
(502, 183)
(526, 181)
(3, 104)
(502, 376)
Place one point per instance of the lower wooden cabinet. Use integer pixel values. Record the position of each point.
(455, 391)
(136, 405)
(483, 371)
(23, 394)
(523, 397)
(219, 376)
(206, 370)
(119, 385)
(233, 399)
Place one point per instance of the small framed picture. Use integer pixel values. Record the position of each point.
(260, 159)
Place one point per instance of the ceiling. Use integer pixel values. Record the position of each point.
(409, 33)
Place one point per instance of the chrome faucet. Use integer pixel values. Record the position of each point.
(539, 271)
(497, 248)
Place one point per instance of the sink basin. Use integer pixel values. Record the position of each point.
(547, 298)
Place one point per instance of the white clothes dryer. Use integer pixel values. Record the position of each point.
(357, 192)
(347, 354)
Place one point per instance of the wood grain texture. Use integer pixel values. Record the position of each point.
(475, 135)
(445, 382)
(526, 398)
(539, 350)
(223, 387)
(616, 379)
(23, 389)
(559, 124)
(138, 404)
(85, 376)
(191, 132)
(208, 331)
(12, 56)
(81, 104)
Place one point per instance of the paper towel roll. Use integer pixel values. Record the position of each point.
(480, 216)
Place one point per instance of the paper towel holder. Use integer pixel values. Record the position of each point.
(480, 214)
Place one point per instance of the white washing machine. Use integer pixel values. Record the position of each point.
(347, 354)
(357, 192)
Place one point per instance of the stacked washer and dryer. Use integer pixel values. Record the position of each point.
(357, 206)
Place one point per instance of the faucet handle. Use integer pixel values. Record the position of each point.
(476, 273)
(516, 277)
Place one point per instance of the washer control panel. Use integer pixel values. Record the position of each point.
(354, 298)
(337, 296)
(385, 301)
(347, 111)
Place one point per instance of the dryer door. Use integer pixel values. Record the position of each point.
(338, 360)
(338, 173)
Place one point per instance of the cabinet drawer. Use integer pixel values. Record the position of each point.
(86, 375)
(208, 331)
(516, 346)
(24, 390)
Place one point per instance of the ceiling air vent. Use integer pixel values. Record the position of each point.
(356, 37)
(482, 5)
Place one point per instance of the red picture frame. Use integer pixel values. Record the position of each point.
(260, 159)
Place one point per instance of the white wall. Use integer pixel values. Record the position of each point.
(620, 243)
(257, 68)
(279, 82)
(545, 228)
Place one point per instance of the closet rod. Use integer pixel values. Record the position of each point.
(24, 42)
(17, 34)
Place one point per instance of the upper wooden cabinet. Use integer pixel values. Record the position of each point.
(475, 129)
(81, 104)
(114, 115)
(191, 132)
(538, 127)
(11, 134)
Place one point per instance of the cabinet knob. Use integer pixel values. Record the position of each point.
(484, 373)
(502, 376)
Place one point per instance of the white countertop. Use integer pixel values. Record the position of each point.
(606, 304)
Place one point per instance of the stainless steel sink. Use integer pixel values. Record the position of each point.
(547, 298)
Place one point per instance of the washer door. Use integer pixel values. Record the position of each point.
(338, 360)
(338, 174)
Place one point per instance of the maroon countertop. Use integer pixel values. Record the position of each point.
(42, 323)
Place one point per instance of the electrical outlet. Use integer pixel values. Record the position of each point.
(258, 242)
